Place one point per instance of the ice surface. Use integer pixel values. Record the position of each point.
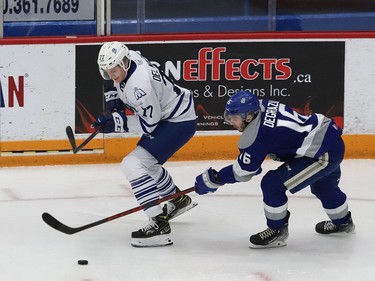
(210, 242)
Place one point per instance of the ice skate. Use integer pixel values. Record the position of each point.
(179, 206)
(328, 227)
(155, 234)
(271, 238)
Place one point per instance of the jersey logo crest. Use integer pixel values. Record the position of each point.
(139, 93)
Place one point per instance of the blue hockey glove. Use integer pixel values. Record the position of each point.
(111, 122)
(113, 101)
(207, 182)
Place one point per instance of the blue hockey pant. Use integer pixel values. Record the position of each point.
(322, 175)
(168, 138)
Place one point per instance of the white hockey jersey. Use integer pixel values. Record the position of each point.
(153, 96)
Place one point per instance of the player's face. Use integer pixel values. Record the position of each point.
(237, 122)
(117, 74)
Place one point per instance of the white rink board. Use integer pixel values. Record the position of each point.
(49, 91)
(359, 98)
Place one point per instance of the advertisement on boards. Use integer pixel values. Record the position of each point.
(37, 91)
(306, 75)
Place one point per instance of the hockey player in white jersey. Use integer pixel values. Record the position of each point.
(166, 114)
(311, 149)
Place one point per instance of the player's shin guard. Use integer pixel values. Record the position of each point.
(178, 205)
(165, 184)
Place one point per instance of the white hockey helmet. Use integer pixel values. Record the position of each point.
(112, 54)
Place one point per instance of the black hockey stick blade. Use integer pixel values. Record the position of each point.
(54, 223)
(71, 138)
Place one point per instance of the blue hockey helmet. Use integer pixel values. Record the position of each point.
(242, 103)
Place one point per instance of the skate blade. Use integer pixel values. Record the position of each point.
(277, 244)
(338, 234)
(184, 210)
(155, 241)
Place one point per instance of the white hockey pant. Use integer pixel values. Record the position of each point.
(148, 179)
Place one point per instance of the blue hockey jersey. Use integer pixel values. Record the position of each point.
(282, 134)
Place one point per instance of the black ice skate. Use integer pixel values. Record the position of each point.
(179, 206)
(271, 238)
(328, 227)
(155, 234)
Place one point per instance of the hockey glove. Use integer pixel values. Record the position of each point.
(207, 182)
(111, 122)
(113, 101)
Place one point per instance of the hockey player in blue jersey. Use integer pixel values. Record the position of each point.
(311, 149)
(166, 115)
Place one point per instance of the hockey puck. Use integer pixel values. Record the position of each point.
(83, 262)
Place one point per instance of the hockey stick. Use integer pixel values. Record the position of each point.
(54, 223)
(71, 138)
(70, 134)
(86, 141)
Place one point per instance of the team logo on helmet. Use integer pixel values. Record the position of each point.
(114, 50)
(243, 100)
